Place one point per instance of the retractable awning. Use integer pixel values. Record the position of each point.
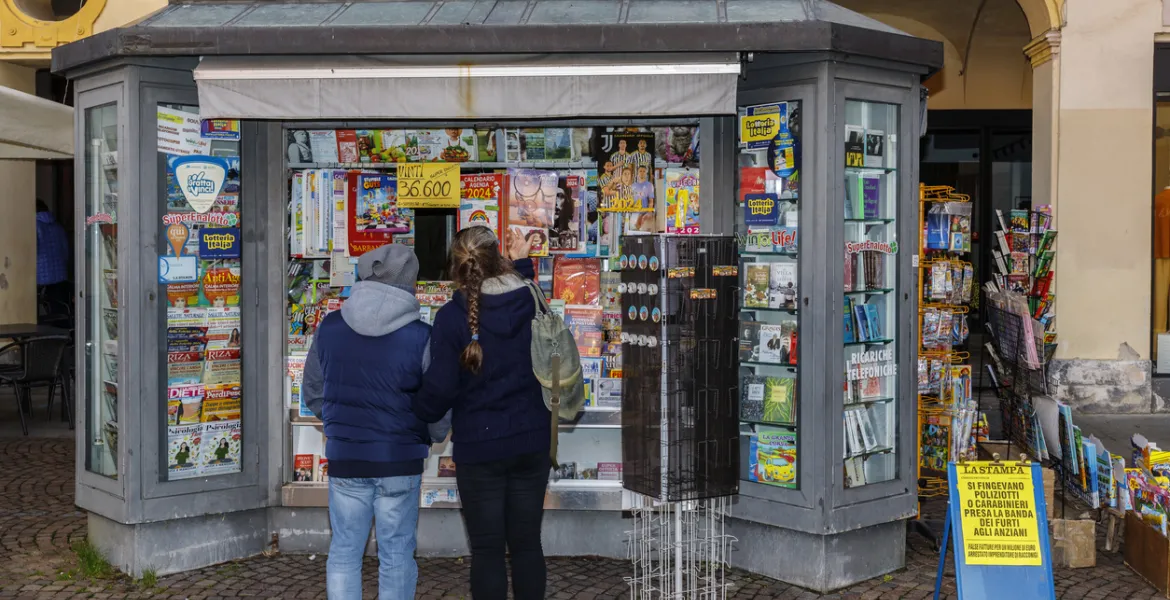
(467, 87)
(33, 128)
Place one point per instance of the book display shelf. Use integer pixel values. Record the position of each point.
(768, 222)
(949, 421)
(570, 191)
(871, 284)
(100, 278)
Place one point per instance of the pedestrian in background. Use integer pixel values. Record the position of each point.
(363, 369)
(52, 263)
(481, 370)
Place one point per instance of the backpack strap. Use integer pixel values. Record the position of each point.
(538, 297)
(555, 409)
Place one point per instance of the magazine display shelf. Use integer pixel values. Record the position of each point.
(590, 446)
(945, 410)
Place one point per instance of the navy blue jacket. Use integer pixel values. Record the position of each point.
(371, 355)
(499, 413)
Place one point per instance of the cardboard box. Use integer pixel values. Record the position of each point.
(1147, 552)
(1074, 543)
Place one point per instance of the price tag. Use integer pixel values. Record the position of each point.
(428, 185)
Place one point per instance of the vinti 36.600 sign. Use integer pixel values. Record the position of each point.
(428, 185)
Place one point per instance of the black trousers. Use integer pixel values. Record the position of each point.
(503, 505)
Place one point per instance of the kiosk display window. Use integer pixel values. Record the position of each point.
(200, 281)
(101, 289)
(871, 290)
(768, 221)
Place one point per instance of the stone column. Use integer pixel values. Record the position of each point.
(18, 233)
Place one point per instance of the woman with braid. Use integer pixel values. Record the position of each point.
(481, 370)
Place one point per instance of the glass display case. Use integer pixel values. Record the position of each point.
(768, 221)
(200, 279)
(101, 289)
(870, 309)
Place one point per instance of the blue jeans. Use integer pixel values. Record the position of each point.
(392, 503)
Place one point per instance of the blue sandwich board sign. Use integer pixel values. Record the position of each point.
(998, 522)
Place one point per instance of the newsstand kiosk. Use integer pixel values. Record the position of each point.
(219, 146)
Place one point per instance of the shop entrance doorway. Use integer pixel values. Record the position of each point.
(986, 154)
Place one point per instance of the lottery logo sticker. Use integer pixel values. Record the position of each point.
(653, 263)
(633, 313)
(656, 315)
(623, 262)
(652, 289)
(642, 262)
(644, 313)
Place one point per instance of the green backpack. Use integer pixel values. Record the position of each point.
(557, 365)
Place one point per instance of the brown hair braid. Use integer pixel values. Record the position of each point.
(475, 257)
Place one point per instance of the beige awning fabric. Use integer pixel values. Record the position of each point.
(33, 128)
(467, 87)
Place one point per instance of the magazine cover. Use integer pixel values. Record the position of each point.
(220, 448)
(222, 366)
(675, 144)
(935, 442)
(776, 452)
(221, 403)
(682, 201)
(626, 178)
(184, 404)
(183, 445)
(219, 282)
(184, 368)
(359, 239)
(585, 323)
(532, 196)
(568, 234)
(223, 327)
(577, 281)
(480, 201)
(749, 341)
(532, 144)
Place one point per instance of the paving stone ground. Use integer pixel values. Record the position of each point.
(39, 523)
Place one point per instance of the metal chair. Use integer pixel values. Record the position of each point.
(40, 364)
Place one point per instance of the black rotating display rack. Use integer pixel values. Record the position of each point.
(680, 392)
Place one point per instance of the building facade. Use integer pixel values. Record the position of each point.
(29, 30)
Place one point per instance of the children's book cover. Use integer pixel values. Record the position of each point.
(359, 238)
(776, 456)
(682, 201)
(376, 210)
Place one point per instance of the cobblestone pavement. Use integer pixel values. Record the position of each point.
(38, 525)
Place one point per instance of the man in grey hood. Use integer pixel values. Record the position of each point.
(363, 369)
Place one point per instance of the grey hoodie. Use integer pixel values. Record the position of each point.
(373, 310)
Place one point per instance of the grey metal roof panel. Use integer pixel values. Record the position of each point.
(216, 27)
